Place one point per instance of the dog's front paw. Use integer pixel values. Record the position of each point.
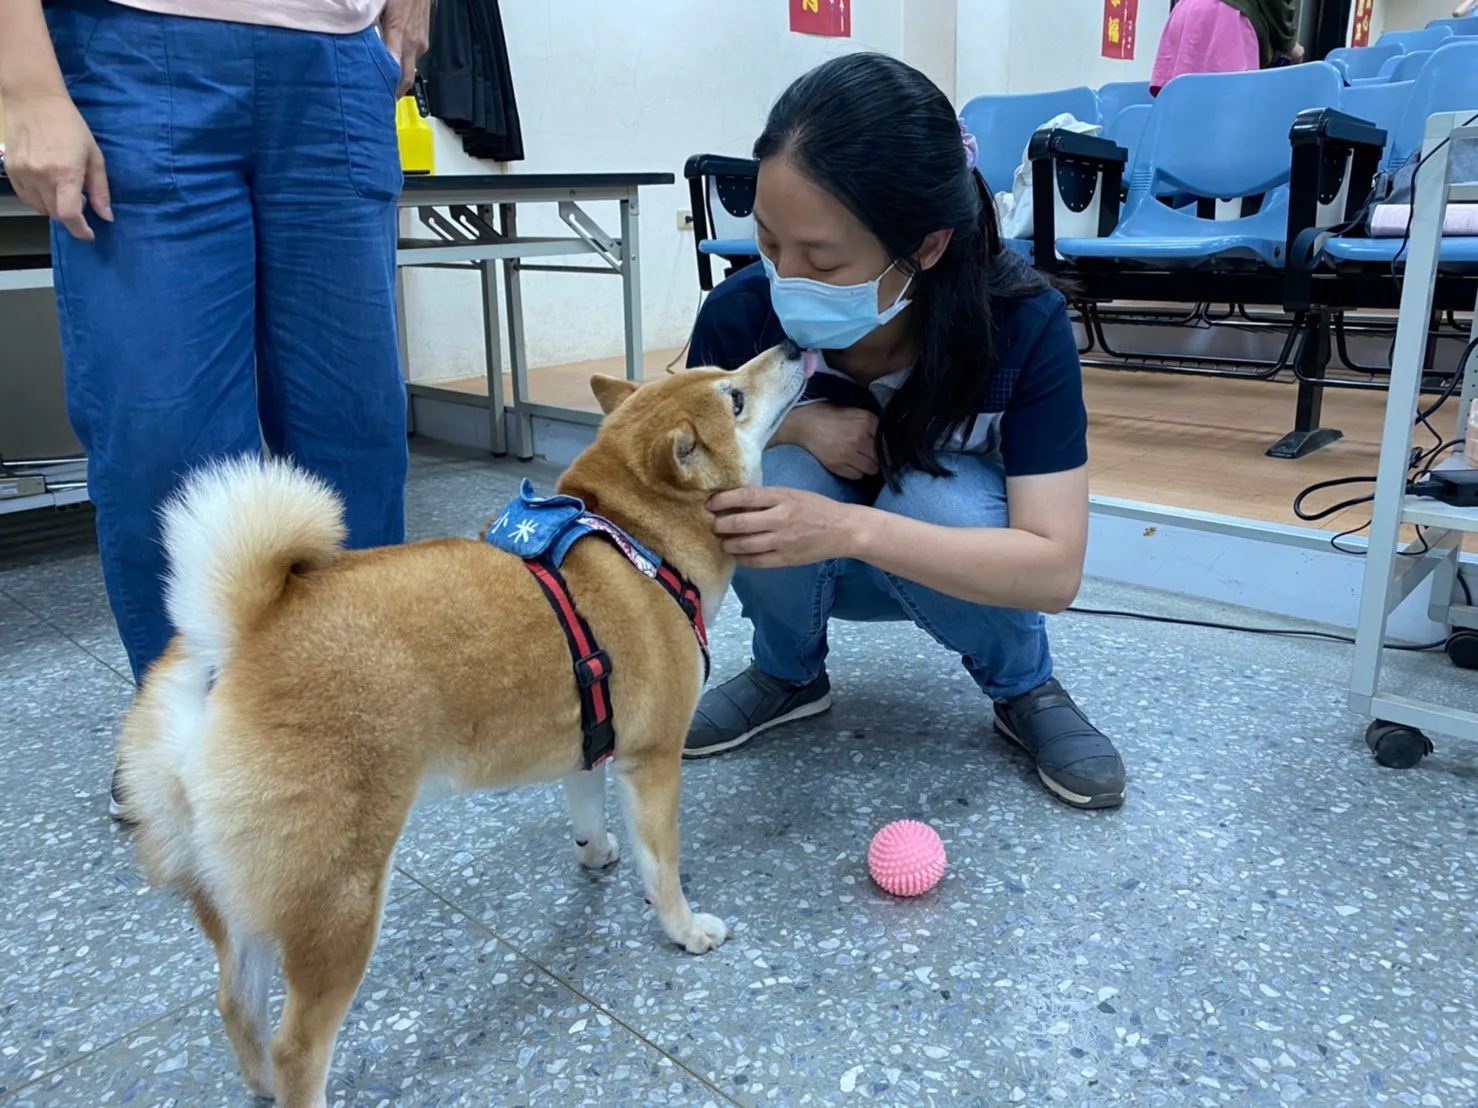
(599, 855)
(705, 933)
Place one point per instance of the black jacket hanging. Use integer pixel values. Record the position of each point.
(469, 83)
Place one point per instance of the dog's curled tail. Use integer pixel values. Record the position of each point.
(233, 535)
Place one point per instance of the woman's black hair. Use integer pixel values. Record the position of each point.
(883, 139)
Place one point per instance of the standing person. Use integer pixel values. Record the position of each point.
(939, 473)
(222, 178)
(1225, 36)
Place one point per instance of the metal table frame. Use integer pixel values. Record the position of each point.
(474, 225)
(1390, 578)
(459, 212)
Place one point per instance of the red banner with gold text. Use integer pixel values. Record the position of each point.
(1360, 33)
(1119, 18)
(830, 18)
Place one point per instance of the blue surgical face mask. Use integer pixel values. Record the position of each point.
(819, 316)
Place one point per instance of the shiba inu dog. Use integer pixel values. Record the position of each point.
(275, 751)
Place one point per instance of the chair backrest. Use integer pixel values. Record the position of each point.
(1407, 66)
(1361, 62)
(1226, 134)
(1427, 39)
(1003, 125)
(1383, 105)
(1127, 128)
(1115, 97)
(1468, 26)
(1447, 83)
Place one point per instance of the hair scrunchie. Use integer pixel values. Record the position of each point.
(972, 148)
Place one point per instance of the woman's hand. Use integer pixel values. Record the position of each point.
(841, 439)
(53, 161)
(766, 528)
(406, 28)
(1298, 53)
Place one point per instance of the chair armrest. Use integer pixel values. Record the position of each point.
(1076, 189)
(727, 173)
(1335, 157)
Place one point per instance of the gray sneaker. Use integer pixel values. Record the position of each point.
(736, 711)
(1075, 760)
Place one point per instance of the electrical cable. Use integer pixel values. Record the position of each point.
(1273, 632)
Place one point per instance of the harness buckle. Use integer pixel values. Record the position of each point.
(592, 669)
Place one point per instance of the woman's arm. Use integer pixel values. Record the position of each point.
(50, 155)
(1036, 563)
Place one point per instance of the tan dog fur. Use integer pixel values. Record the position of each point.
(275, 751)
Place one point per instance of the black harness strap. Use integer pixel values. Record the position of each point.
(592, 666)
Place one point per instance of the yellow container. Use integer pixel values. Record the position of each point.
(414, 132)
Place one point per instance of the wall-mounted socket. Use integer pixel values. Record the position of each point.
(684, 220)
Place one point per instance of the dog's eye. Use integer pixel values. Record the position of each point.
(738, 403)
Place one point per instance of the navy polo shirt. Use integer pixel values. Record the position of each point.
(1034, 418)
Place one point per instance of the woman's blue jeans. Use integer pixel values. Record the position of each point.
(245, 295)
(1004, 649)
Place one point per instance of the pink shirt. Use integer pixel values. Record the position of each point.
(331, 17)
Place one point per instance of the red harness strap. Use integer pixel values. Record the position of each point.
(592, 666)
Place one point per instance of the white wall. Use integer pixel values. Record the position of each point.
(1408, 15)
(1014, 46)
(637, 85)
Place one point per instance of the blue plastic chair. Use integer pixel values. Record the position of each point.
(1408, 66)
(1448, 83)
(1127, 128)
(1003, 125)
(1466, 26)
(1215, 135)
(1363, 63)
(1384, 104)
(1115, 97)
(1427, 39)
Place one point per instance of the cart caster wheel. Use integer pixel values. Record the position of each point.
(1396, 746)
(1462, 648)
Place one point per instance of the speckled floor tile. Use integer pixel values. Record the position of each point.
(1271, 918)
(446, 1016)
(67, 593)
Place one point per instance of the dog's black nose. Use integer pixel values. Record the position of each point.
(790, 349)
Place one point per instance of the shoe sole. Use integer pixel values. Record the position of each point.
(1056, 788)
(815, 708)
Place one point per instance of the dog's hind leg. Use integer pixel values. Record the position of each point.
(585, 798)
(246, 986)
(650, 789)
(323, 960)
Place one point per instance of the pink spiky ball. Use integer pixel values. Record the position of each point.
(906, 858)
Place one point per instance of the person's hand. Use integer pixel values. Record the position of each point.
(1298, 53)
(841, 439)
(54, 162)
(406, 28)
(765, 528)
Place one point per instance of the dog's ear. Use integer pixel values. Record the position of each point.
(679, 457)
(611, 391)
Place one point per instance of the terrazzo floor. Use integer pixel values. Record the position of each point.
(1270, 919)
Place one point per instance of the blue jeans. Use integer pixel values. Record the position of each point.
(1003, 649)
(245, 296)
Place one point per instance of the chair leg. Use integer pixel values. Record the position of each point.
(1310, 364)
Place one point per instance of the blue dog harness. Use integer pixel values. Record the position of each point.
(541, 530)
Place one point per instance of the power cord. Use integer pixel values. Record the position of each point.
(1421, 463)
(1273, 632)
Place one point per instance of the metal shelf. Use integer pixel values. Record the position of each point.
(66, 480)
(1390, 579)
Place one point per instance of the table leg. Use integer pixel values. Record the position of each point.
(631, 286)
(403, 343)
(492, 354)
(523, 428)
